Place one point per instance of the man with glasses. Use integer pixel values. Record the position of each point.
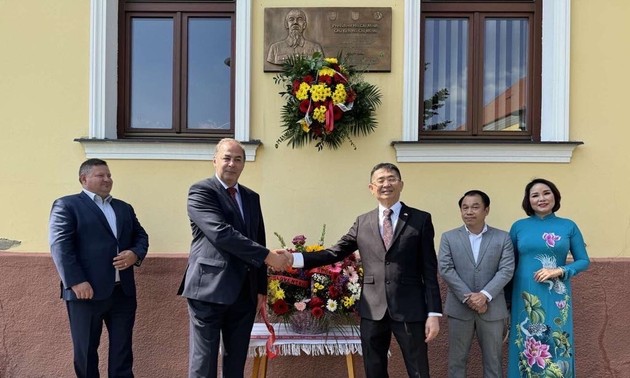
(400, 292)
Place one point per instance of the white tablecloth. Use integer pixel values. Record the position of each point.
(337, 341)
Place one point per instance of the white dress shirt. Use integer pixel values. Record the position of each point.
(475, 244)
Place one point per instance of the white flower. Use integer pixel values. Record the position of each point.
(331, 305)
(355, 289)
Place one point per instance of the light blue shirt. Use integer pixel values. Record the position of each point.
(105, 204)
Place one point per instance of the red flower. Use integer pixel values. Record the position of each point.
(325, 79)
(304, 106)
(339, 78)
(296, 86)
(350, 95)
(317, 312)
(337, 113)
(308, 79)
(280, 307)
(316, 302)
(334, 292)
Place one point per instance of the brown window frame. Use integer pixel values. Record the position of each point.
(477, 12)
(180, 12)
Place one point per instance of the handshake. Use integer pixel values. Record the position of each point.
(279, 259)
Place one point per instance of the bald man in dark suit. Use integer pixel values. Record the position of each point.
(226, 277)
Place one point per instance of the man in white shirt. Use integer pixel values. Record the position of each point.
(400, 292)
(476, 261)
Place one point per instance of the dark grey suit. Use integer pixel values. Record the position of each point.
(491, 272)
(399, 289)
(225, 273)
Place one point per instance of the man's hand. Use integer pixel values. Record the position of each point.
(279, 259)
(478, 302)
(431, 328)
(125, 259)
(83, 290)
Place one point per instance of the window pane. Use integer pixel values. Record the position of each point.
(209, 44)
(505, 74)
(152, 73)
(445, 75)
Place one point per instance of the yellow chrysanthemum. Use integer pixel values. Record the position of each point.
(274, 291)
(302, 92)
(331, 60)
(279, 295)
(305, 126)
(319, 92)
(348, 302)
(274, 285)
(320, 113)
(326, 71)
(313, 248)
(340, 94)
(317, 287)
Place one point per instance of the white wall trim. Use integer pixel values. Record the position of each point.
(242, 79)
(103, 67)
(411, 71)
(109, 149)
(555, 94)
(477, 152)
(103, 90)
(555, 70)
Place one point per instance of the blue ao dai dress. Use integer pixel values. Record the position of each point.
(541, 331)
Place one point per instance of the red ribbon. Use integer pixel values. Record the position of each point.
(330, 118)
(269, 347)
(291, 280)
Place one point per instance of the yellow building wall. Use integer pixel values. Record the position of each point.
(44, 84)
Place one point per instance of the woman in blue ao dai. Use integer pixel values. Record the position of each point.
(541, 331)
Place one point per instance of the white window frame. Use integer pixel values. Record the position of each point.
(554, 147)
(103, 142)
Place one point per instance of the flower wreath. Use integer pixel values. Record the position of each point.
(327, 102)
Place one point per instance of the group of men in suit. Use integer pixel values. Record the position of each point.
(97, 240)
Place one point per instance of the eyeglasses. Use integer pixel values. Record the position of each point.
(389, 180)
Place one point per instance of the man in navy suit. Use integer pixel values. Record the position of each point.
(400, 292)
(96, 242)
(226, 278)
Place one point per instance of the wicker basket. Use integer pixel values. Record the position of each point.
(304, 322)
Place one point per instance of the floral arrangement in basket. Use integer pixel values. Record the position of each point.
(326, 101)
(311, 301)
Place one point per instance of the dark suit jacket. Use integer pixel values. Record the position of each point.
(492, 271)
(225, 248)
(401, 280)
(83, 245)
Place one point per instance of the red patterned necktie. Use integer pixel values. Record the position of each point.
(232, 191)
(388, 230)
